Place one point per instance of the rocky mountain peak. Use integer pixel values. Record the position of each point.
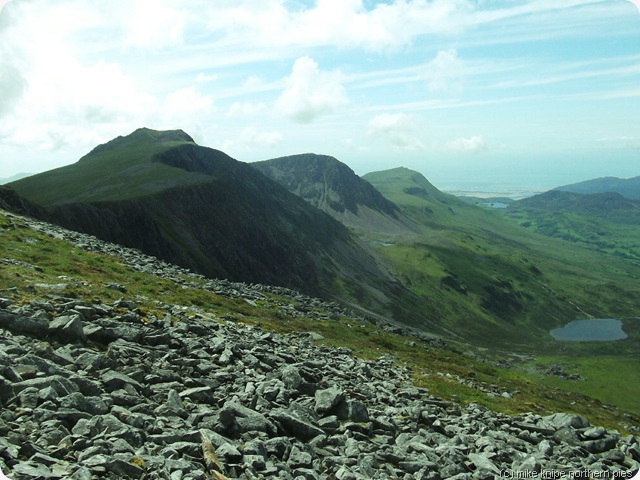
(142, 136)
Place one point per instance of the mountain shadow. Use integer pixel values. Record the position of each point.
(201, 209)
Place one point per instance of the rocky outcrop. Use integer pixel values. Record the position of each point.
(333, 187)
(193, 397)
(92, 390)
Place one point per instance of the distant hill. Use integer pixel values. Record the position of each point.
(612, 206)
(629, 188)
(418, 198)
(199, 208)
(333, 187)
(13, 178)
(604, 222)
(487, 278)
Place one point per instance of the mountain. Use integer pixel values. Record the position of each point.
(199, 208)
(420, 200)
(629, 187)
(13, 178)
(460, 270)
(490, 280)
(605, 222)
(610, 205)
(333, 187)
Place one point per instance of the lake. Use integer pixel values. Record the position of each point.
(594, 330)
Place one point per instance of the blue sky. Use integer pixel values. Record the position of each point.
(471, 93)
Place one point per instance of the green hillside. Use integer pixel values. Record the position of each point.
(627, 187)
(604, 222)
(199, 208)
(38, 266)
(490, 280)
(112, 171)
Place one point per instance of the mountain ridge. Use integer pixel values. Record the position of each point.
(199, 208)
(627, 187)
(334, 188)
(598, 204)
(460, 270)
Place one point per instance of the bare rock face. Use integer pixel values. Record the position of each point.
(93, 391)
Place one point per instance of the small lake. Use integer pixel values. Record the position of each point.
(594, 330)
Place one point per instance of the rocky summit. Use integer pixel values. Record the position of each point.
(94, 390)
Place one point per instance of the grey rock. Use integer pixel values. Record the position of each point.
(33, 470)
(326, 400)
(529, 464)
(305, 474)
(114, 380)
(236, 419)
(601, 445)
(299, 458)
(594, 433)
(68, 328)
(229, 453)
(353, 410)
(256, 462)
(567, 435)
(292, 424)
(291, 377)
(62, 386)
(38, 327)
(91, 405)
(483, 464)
(562, 420)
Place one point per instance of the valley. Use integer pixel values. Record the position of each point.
(389, 246)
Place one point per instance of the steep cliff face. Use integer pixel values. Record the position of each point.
(333, 187)
(199, 208)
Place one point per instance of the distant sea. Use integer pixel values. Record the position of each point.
(516, 188)
(523, 180)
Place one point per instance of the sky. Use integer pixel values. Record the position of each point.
(474, 94)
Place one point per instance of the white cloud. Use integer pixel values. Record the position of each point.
(251, 138)
(342, 23)
(187, 102)
(187, 109)
(12, 82)
(398, 128)
(310, 93)
(150, 24)
(474, 144)
(246, 108)
(633, 143)
(445, 73)
(205, 78)
(54, 94)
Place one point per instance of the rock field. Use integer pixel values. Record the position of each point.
(97, 391)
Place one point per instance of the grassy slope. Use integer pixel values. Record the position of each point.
(596, 233)
(92, 177)
(617, 237)
(485, 274)
(557, 281)
(85, 276)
